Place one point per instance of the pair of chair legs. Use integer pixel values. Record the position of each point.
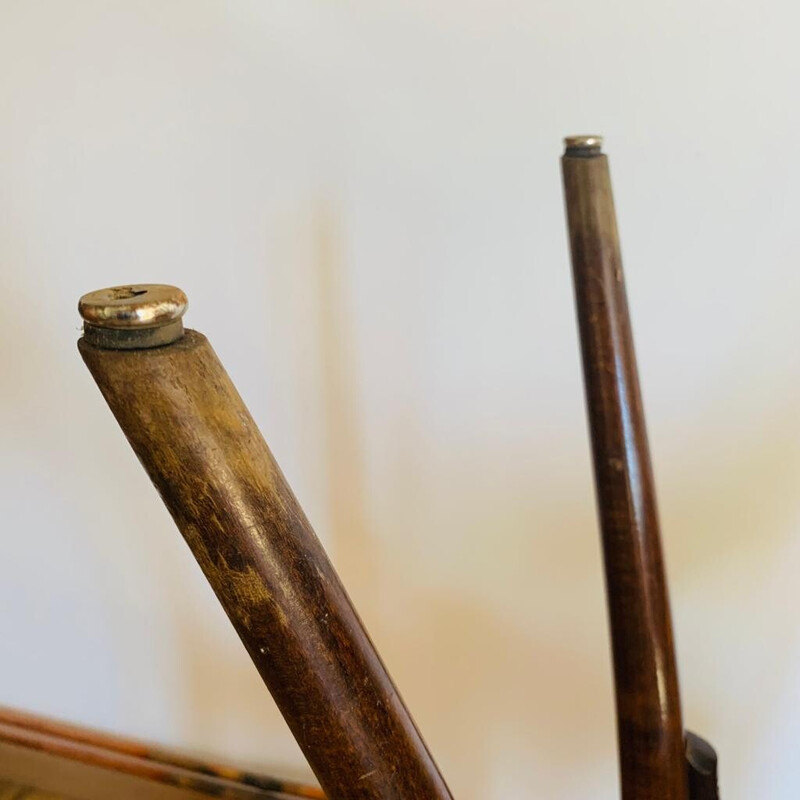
(201, 448)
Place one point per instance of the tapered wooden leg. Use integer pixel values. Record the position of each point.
(650, 731)
(201, 448)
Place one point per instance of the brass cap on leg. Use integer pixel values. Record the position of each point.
(584, 145)
(133, 317)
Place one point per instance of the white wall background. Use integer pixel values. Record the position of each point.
(363, 203)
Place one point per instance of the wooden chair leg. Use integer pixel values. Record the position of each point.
(650, 731)
(202, 450)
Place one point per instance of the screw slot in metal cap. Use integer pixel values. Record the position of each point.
(133, 317)
(584, 145)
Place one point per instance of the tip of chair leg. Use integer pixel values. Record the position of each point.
(701, 768)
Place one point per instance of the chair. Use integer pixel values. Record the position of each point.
(216, 475)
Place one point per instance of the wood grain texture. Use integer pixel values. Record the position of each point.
(81, 779)
(149, 770)
(15, 791)
(131, 757)
(216, 475)
(648, 707)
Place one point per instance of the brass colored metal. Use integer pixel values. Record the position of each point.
(587, 145)
(133, 317)
(143, 305)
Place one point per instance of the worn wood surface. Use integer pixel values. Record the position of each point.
(130, 757)
(64, 775)
(14, 791)
(211, 466)
(648, 708)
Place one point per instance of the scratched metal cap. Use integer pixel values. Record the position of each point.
(133, 317)
(583, 145)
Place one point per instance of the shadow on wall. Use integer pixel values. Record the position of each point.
(535, 683)
(515, 667)
(475, 682)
